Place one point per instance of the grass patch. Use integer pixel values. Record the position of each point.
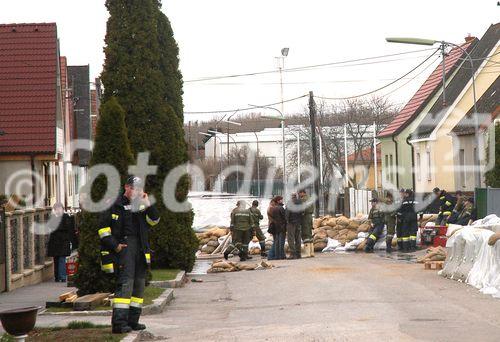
(150, 293)
(87, 332)
(164, 274)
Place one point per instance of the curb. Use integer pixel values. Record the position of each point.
(157, 307)
(179, 281)
(132, 337)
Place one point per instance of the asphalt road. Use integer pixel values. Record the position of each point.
(332, 297)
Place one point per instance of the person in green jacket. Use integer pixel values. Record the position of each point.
(306, 226)
(390, 221)
(242, 225)
(257, 216)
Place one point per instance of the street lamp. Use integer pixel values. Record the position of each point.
(282, 119)
(298, 154)
(281, 66)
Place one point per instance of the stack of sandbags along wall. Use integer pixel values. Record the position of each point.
(474, 257)
(339, 228)
(209, 240)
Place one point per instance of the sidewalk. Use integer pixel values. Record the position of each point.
(35, 295)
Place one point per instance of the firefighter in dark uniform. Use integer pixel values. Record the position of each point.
(399, 222)
(390, 221)
(306, 226)
(446, 206)
(409, 222)
(257, 216)
(377, 219)
(242, 225)
(123, 231)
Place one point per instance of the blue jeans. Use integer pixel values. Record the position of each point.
(60, 268)
(278, 249)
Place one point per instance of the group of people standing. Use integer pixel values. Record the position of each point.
(293, 223)
(402, 217)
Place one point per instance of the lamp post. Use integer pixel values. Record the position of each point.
(281, 66)
(298, 154)
(258, 164)
(282, 119)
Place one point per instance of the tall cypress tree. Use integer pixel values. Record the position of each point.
(111, 147)
(141, 77)
(169, 65)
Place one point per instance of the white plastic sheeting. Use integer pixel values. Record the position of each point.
(472, 260)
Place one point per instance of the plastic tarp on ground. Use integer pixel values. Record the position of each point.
(470, 258)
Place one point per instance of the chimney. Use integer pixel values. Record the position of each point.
(469, 38)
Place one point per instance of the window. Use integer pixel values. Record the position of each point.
(461, 157)
(418, 168)
(429, 171)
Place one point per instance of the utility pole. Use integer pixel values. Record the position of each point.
(189, 140)
(312, 120)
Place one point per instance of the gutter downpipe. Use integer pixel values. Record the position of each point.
(397, 160)
(412, 161)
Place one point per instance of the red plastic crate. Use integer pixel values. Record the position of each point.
(440, 241)
(442, 230)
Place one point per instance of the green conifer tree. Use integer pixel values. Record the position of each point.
(135, 72)
(111, 147)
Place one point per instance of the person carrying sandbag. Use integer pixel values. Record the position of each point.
(377, 219)
(242, 225)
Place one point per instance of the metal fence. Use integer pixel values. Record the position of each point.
(26, 261)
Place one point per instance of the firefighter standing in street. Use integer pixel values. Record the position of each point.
(123, 231)
(446, 206)
(409, 222)
(242, 225)
(399, 219)
(257, 216)
(306, 226)
(377, 220)
(390, 221)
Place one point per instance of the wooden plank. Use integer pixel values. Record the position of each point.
(89, 302)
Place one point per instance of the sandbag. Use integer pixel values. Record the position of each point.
(343, 221)
(332, 234)
(317, 222)
(332, 222)
(363, 228)
(319, 246)
(213, 243)
(353, 225)
(493, 239)
(352, 236)
(208, 249)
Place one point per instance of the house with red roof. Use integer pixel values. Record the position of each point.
(35, 115)
(396, 151)
(441, 159)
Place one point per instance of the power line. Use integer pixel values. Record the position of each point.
(247, 108)
(305, 67)
(380, 88)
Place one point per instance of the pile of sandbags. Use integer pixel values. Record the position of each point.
(341, 228)
(433, 254)
(228, 266)
(209, 240)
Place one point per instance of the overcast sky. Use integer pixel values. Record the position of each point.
(225, 37)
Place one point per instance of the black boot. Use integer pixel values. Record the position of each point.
(119, 321)
(388, 242)
(133, 318)
(369, 246)
(263, 249)
(226, 255)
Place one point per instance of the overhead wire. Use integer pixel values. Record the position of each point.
(247, 108)
(382, 87)
(309, 67)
